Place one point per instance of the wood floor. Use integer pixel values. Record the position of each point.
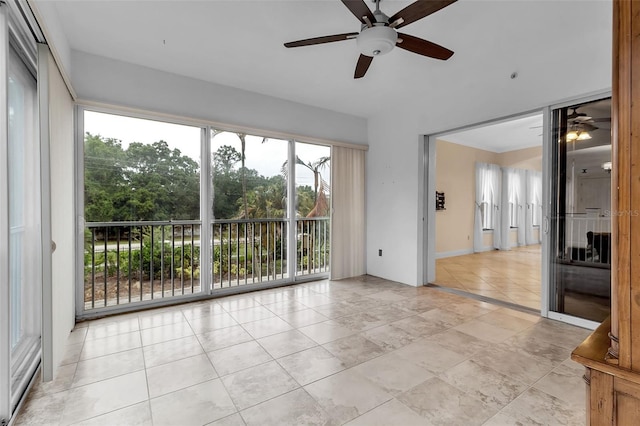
(511, 276)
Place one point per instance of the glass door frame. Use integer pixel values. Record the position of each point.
(547, 183)
(17, 34)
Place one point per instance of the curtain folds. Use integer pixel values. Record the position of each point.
(348, 212)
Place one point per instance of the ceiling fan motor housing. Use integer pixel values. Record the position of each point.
(377, 40)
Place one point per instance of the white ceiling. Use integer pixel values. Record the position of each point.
(510, 135)
(239, 43)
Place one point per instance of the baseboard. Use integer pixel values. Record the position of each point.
(454, 253)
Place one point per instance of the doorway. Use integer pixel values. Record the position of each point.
(488, 183)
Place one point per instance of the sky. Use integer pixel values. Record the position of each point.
(267, 158)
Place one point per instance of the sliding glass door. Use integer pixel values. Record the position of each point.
(24, 219)
(580, 210)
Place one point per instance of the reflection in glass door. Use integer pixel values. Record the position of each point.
(580, 216)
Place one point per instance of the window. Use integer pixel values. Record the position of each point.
(513, 214)
(170, 212)
(486, 209)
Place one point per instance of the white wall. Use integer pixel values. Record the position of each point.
(393, 169)
(106, 80)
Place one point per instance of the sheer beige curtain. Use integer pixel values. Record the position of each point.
(347, 220)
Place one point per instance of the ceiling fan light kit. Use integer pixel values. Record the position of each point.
(378, 33)
(377, 40)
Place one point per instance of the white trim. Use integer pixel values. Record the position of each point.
(569, 319)
(292, 258)
(545, 235)
(187, 121)
(45, 214)
(5, 352)
(445, 254)
(428, 166)
(79, 209)
(46, 37)
(206, 210)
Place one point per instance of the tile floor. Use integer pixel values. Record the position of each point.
(510, 276)
(362, 351)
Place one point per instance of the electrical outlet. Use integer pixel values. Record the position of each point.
(379, 252)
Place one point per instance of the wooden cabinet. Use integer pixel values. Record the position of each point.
(611, 354)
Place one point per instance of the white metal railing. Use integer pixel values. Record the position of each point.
(588, 238)
(129, 262)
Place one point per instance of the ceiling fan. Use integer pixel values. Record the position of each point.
(378, 33)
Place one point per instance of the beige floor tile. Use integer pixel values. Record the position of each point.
(311, 365)
(195, 405)
(359, 321)
(258, 384)
(390, 413)
(520, 366)
(292, 408)
(353, 350)
(173, 376)
(211, 322)
(165, 333)
(442, 404)
(417, 326)
(389, 337)
(303, 317)
(105, 396)
(45, 410)
(202, 309)
(62, 381)
(156, 319)
(565, 382)
(135, 415)
(534, 407)
(173, 350)
(72, 354)
(392, 373)
(225, 337)
(108, 329)
(266, 327)
(434, 350)
(232, 420)
(459, 342)
(286, 343)
(485, 384)
(238, 303)
(110, 345)
(485, 331)
(238, 357)
(285, 307)
(106, 367)
(251, 314)
(346, 395)
(431, 356)
(325, 332)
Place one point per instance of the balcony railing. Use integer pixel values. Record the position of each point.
(128, 262)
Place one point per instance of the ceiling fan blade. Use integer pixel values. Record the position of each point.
(362, 66)
(359, 9)
(321, 40)
(423, 47)
(419, 10)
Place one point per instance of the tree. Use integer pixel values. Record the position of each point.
(143, 182)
